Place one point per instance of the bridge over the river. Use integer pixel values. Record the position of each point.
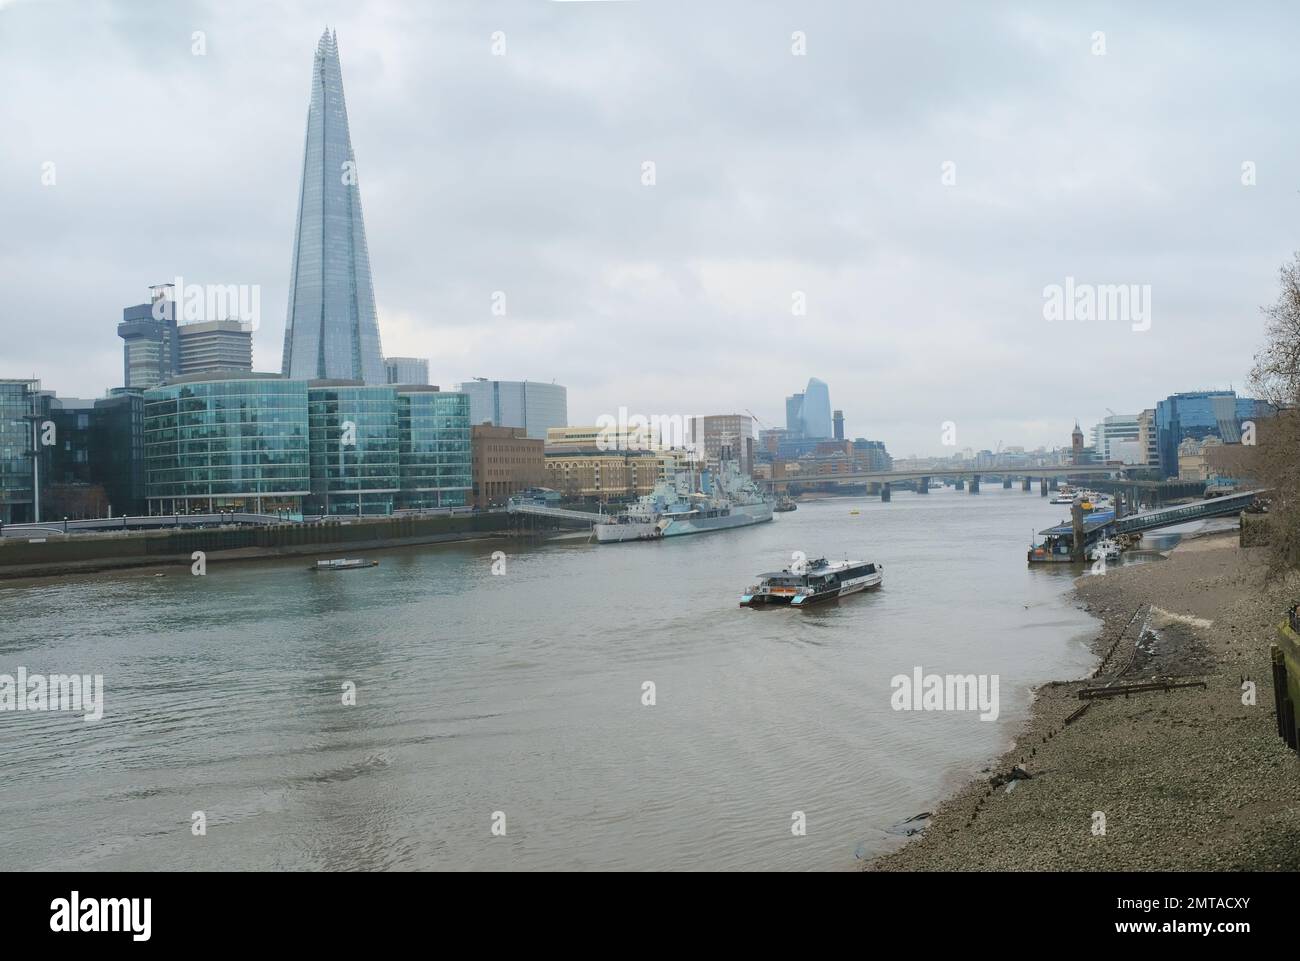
(1047, 477)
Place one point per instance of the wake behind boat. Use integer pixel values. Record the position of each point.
(802, 584)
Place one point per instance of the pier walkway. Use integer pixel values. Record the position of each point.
(1058, 542)
(576, 518)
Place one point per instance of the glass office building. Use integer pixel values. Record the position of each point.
(1198, 415)
(808, 414)
(264, 444)
(435, 461)
(517, 403)
(331, 330)
(354, 448)
(406, 370)
(19, 404)
(235, 443)
(117, 451)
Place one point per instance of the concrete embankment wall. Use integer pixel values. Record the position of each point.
(1286, 683)
(58, 554)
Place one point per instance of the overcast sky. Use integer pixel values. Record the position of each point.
(775, 173)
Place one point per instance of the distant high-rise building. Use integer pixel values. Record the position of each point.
(213, 345)
(150, 344)
(406, 370)
(732, 432)
(816, 409)
(517, 403)
(838, 420)
(794, 415)
(808, 414)
(1114, 429)
(1147, 440)
(331, 330)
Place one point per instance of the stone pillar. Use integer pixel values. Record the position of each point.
(960, 484)
(1006, 483)
(923, 485)
(1025, 484)
(885, 492)
(1042, 487)
(1051, 484)
(975, 484)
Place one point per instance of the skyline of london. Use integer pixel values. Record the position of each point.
(646, 290)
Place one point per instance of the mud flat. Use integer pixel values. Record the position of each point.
(1187, 779)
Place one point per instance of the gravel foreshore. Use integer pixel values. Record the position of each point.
(1185, 779)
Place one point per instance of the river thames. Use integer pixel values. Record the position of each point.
(518, 698)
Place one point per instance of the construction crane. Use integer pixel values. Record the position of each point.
(758, 420)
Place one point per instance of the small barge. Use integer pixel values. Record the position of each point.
(801, 585)
(343, 564)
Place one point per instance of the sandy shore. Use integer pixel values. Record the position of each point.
(1189, 779)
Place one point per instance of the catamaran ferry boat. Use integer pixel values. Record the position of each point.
(802, 584)
(674, 508)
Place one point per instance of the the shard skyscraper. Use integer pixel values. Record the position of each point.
(331, 329)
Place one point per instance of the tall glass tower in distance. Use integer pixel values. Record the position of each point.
(816, 414)
(331, 330)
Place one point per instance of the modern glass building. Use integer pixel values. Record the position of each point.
(331, 330)
(117, 451)
(808, 414)
(794, 415)
(816, 414)
(235, 443)
(1201, 414)
(19, 404)
(434, 448)
(354, 448)
(261, 443)
(517, 403)
(406, 370)
(67, 460)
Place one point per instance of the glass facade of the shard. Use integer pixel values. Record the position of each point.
(331, 330)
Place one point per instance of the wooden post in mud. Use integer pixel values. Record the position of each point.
(1076, 518)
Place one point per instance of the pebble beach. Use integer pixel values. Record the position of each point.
(1190, 778)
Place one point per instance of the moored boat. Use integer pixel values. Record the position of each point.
(802, 584)
(343, 564)
(675, 508)
(1106, 549)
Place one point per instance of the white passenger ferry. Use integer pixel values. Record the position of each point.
(802, 584)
